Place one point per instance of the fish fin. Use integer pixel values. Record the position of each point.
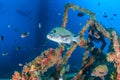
(68, 68)
(63, 44)
(75, 39)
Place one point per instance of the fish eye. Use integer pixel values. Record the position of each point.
(54, 31)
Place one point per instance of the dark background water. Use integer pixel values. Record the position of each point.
(19, 16)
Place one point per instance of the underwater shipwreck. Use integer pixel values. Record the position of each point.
(98, 66)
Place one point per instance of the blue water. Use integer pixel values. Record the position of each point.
(25, 15)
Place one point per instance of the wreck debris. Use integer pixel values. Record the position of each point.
(115, 57)
(41, 63)
(51, 57)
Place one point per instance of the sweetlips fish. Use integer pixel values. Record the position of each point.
(61, 35)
